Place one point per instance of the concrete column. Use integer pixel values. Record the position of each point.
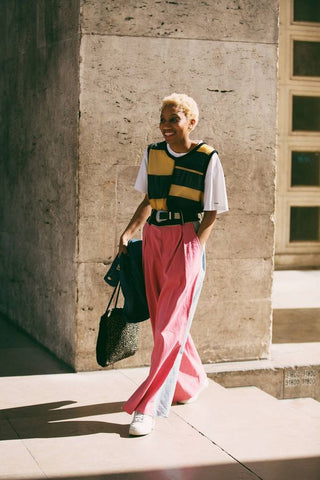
(224, 54)
(39, 59)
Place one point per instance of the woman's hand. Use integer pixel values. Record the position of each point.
(206, 226)
(123, 245)
(202, 240)
(139, 218)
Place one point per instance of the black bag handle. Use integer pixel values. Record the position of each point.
(116, 290)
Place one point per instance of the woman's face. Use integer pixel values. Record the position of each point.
(174, 125)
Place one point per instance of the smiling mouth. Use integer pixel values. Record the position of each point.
(168, 134)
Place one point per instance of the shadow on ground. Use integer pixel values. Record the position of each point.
(305, 468)
(50, 420)
(55, 419)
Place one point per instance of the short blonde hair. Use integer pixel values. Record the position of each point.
(185, 103)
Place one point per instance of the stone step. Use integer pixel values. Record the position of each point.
(304, 406)
(292, 371)
(266, 432)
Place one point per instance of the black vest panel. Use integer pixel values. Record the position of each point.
(177, 183)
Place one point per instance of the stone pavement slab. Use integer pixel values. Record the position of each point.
(308, 406)
(272, 439)
(71, 426)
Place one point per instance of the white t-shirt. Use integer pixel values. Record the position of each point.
(215, 195)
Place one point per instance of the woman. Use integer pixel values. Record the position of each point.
(181, 178)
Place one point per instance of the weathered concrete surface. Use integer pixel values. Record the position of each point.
(224, 54)
(38, 170)
(62, 214)
(235, 20)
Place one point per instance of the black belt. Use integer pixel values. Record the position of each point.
(164, 217)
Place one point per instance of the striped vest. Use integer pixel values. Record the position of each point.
(177, 183)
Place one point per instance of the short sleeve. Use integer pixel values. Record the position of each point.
(215, 194)
(142, 178)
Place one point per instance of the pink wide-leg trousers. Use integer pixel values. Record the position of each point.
(173, 262)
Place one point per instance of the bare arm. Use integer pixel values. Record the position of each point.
(206, 225)
(139, 218)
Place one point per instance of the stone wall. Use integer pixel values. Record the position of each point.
(38, 171)
(224, 54)
(66, 194)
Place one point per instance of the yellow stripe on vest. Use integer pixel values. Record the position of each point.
(185, 192)
(205, 149)
(189, 170)
(158, 203)
(159, 163)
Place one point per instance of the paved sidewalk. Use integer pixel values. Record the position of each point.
(296, 289)
(70, 425)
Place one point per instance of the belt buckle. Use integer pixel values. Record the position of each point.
(158, 219)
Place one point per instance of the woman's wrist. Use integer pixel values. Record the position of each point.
(202, 239)
(124, 239)
(123, 243)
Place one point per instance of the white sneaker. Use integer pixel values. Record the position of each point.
(195, 397)
(141, 424)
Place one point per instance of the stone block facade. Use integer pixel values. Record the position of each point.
(128, 55)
